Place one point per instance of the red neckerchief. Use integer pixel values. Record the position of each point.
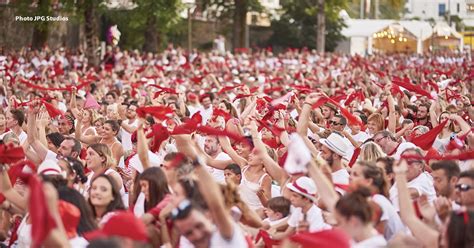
(127, 161)
(394, 150)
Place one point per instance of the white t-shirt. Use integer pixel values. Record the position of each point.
(126, 136)
(361, 137)
(423, 183)
(22, 137)
(373, 242)
(50, 155)
(155, 161)
(314, 217)
(217, 173)
(217, 241)
(340, 177)
(206, 114)
(401, 148)
(394, 224)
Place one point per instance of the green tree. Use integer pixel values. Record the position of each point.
(297, 25)
(388, 9)
(236, 11)
(148, 25)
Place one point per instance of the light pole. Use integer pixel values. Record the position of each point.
(189, 4)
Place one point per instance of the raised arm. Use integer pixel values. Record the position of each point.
(325, 188)
(303, 122)
(88, 139)
(271, 167)
(36, 144)
(465, 127)
(142, 146)
(422, 232)
(211, 193)
(392, 118)
(10, 194)
(433, 114)
(227, 147)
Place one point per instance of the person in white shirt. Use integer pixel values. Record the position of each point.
(353, 213)
(367, 174)
(390, 146)
(306, 215)
(213, 149)
(333, 150)
(206, 110)
(129, 126)
(419, 182)
(445, 176)
(197, 228)
(15, 119)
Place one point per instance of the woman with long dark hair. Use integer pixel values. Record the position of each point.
(104, 197)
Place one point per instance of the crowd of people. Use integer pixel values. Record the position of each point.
(244, 149)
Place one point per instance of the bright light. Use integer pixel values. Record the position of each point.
(405, 39)
(375, 35)
(393, 41)
(400, 39)
(446, 37)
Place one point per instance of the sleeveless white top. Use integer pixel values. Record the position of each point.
(248, 191)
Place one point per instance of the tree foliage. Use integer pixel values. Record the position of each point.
(297, 25)
(149, 25)
(234, 11)
(388, 9)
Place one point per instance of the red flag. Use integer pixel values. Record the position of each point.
(159, 134)
(41, 220)
(10, 154)
(159, 112)
(354, 157)
(227, 88)
(52, 111)
(267, 239)
(405, 83)
(322, 239)
(190, 125)
(425, 141)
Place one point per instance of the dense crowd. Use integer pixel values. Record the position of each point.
(244, 149)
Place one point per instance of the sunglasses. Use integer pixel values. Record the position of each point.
(183, 208)
(335, 123)
(463, 187)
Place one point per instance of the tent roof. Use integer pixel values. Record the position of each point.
(367, 27)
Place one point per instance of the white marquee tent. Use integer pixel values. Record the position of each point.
(365, 36)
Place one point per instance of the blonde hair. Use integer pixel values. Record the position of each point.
(104, 151)
(370, 151)
(378, 119)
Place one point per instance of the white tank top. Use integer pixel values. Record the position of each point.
(248, 191)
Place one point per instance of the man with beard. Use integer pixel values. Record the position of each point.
(213, 149)
(333, 150)
(422, 117)
(129, 125)
(206, 110)
(70, 147)
(445, 176)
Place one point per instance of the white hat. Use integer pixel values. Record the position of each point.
(304, 186)
(49, 167)
(335, 143)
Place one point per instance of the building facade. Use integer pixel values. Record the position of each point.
(439, 9)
